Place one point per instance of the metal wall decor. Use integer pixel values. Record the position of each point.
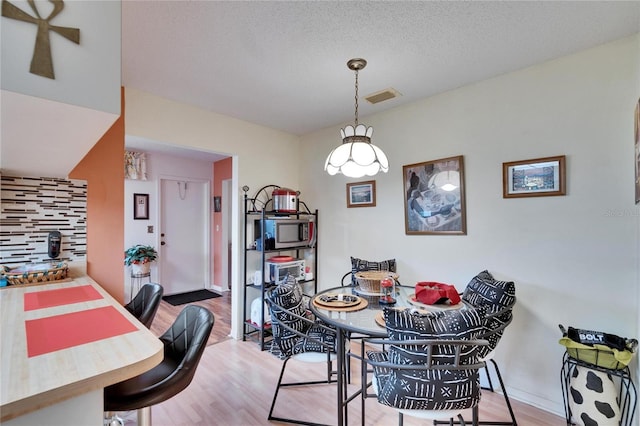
(41, 61)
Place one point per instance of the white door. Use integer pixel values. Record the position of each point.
(184, 235)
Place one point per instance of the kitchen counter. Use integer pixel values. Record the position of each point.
(62, 343)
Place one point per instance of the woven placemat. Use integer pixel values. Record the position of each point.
(361, 305)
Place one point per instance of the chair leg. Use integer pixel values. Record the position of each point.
(477, 422)
(144, 416)
(280, 384)
(486, 370)
(275, 395)
(506, 396)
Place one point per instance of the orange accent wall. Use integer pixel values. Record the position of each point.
(103, 170)
(221, 170)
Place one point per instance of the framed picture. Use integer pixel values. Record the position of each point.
(434, 197)
(217, 204)
(141, 206)
(538, 177)
(637, 150)
(361, 194)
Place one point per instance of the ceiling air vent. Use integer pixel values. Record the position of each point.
(383, 95)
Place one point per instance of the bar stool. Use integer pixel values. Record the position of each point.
(184, 343)
(145, 304)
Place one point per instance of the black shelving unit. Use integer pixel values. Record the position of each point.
(260, 208)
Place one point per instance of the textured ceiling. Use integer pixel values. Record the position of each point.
(283, 64)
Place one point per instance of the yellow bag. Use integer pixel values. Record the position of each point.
(600, 355)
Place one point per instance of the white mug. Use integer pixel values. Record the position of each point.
(257, 278)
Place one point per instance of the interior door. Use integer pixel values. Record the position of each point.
(184, 235)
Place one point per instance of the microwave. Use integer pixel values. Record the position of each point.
(276, 272)
(282, 233)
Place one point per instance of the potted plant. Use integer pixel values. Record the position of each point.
(139, 257)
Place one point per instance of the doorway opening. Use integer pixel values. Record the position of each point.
(162, 161)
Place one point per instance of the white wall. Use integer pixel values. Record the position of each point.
(77, 67)
(73, 110)
(574, 258)
(261, 156)
(158, 165)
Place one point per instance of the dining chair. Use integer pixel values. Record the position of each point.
(347, 280)
(184, 342)
(498, 299)
(361, 265)
(298, 336)
(407, 331)
(497, 323)
(145, 304)
(432, 379)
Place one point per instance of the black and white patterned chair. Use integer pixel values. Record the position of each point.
(498, 298)
(360, 265)
(431, 367)
(349, 280)
(296, 336)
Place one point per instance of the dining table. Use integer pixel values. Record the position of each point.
(62, 344)
(363, 319)
(354, 320)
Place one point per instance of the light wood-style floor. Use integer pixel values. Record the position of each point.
(235, 381)
(220, 306)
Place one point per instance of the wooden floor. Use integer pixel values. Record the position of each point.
(235, 381)
(220, 306)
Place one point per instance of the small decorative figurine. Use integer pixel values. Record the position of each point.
(388, 289)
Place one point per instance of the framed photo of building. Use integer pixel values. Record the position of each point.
(538, 177)
(434, 202)
(361, 194)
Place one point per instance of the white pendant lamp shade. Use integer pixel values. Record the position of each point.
(357, 156)
(356, 159)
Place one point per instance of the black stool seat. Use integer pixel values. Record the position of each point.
(184, 343)
(146, 303)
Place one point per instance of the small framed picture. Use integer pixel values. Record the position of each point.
(361, 194)
(434, 202)
(140, 206)
(217, 204)
(537, 177)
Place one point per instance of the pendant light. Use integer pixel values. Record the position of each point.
(357, 156)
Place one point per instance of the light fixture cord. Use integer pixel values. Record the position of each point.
(356, 98)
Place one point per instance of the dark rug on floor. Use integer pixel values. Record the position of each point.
(191, 296)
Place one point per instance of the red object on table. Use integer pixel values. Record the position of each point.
(60, 296)
(58, 332)
(431, 293)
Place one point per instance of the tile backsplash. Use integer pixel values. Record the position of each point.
(31, 208)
